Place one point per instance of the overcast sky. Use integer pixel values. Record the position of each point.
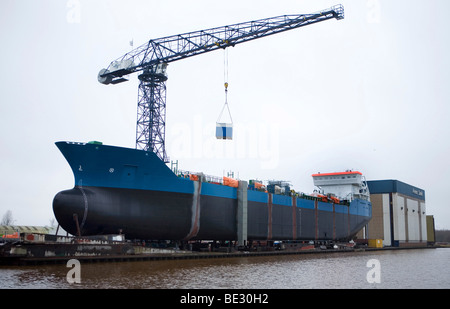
(368, 93)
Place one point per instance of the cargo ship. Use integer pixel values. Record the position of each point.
(133, 192)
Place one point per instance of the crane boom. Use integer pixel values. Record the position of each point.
(180, 46)
(152, 58)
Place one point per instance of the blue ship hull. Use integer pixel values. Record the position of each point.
(129, 191)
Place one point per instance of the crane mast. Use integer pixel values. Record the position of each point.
(152, 58)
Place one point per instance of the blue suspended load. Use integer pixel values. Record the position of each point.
(224, 130)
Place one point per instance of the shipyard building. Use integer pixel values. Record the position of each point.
(398, 214)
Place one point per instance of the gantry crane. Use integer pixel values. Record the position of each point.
(152, 58)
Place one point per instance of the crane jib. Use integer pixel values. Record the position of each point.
(180, 46)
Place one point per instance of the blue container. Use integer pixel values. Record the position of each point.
(224, 130)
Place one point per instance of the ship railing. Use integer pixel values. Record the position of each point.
(364, 196)
(324, 198)
(214, 179)
(200, 177)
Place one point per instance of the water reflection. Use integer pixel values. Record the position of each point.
(399, 269)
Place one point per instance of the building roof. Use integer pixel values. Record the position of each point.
(8, 229)
(395, 186)
(337, 174)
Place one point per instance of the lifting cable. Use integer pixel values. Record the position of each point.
(225, 80)
(224, 130)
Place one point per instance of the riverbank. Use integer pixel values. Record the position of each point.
(99, 252)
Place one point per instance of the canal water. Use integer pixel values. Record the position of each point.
(389, 269)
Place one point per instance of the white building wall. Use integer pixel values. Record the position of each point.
(412, 213)
(423, 219)
(399, 217)
(386, 220)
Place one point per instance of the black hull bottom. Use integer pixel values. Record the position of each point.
(157, 215)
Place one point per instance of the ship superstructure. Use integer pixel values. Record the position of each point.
(346, 185)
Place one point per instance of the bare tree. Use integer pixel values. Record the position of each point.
(7, 218)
